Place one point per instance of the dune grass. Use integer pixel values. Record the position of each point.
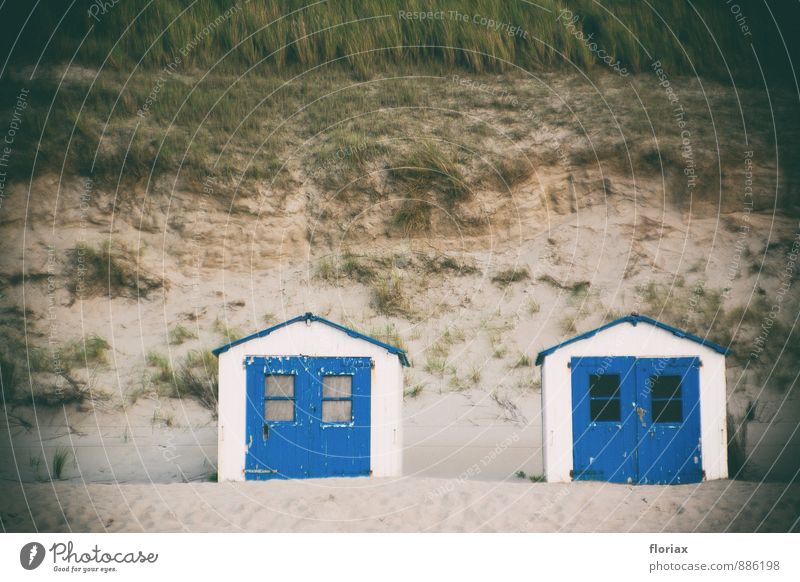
(108, 269)
(389, 295)
(430, 167)
(365, 36)
(197, 378)
(90, 350)
(60, 458)
(8, 379)
(511, 275)
(180, 333)
(162, 364)
(385, 108)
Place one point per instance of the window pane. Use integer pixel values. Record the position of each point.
(604, 386)
(337, 410)
(337, 386)
(665, 387)
(279, 410)
(605, 410)
(667, 411)
(280, 385)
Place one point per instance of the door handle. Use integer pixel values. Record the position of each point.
(640, 411)
(266, 431)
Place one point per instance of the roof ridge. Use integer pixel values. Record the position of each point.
(309, 316)
(633, 318)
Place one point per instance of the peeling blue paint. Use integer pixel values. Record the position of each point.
(635, 447)
(307, 446)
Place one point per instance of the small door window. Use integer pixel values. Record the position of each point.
(604, 398)
(337, 399)
(665, 398)
(279, 397)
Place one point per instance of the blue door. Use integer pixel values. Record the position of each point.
(307, 417)
(602, 417)
(668, 420)
(636, 420)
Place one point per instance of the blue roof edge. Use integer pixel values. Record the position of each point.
(633, 319)
(400, 353)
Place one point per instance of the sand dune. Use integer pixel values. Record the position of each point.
(402, 505)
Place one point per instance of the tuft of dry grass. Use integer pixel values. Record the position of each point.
(436, 264)
(388, 334)
(430, 178)
(159, 361)
(429, 168)
(349, 266)
(523, 361)
(388, 295)
(111, 270)
(60, 458)
(228, 332)
(577, 288)
(414, 391)
(507, 173)
(197, 378)
(413, 215)
(511, 275)
(8, 378)
(179, 334)
(82, 352)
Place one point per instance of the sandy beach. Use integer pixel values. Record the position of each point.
(470, 216)
(402, 505)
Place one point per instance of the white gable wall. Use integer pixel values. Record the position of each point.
(642, 340)
(311, 339)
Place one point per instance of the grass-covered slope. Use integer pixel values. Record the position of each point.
(702, 37)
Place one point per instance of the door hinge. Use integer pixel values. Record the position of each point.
(571, 474)
(569, 365)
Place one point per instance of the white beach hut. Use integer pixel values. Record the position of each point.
(309, 398)
(634, 401)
